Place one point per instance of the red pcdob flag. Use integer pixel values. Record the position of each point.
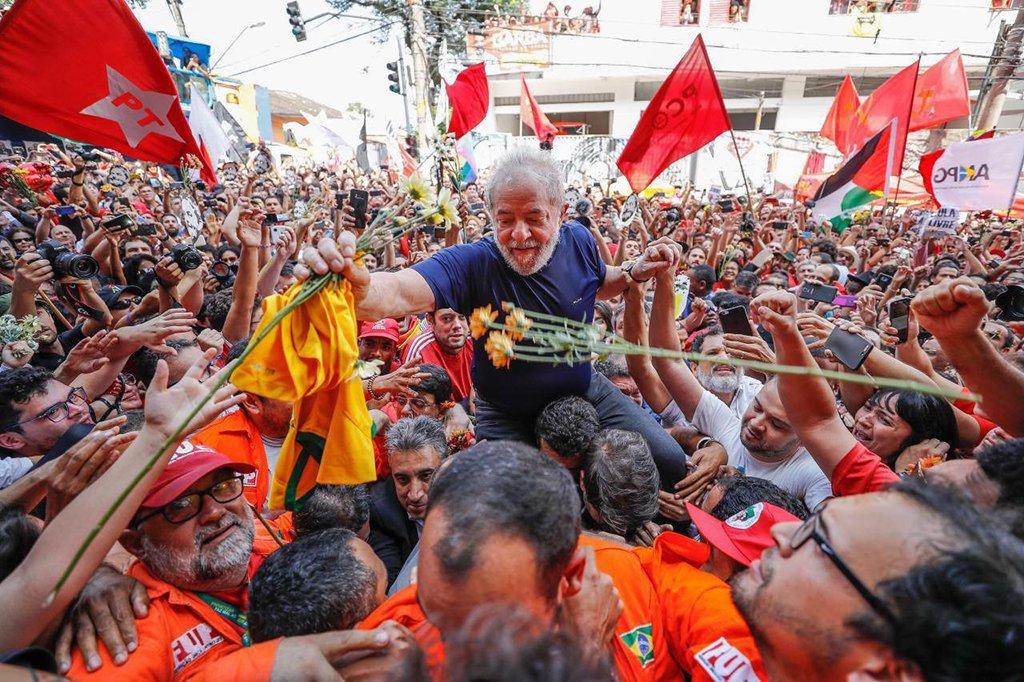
(533, 117)
(470, 97)
(892, 100)
(840, 115)
(686, 113)
(101, 82)
(941, 93)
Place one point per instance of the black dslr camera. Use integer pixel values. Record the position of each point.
(67, 263)
(187, 257)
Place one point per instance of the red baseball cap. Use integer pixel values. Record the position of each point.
(188, 464)
(385, 329)
(744, 535)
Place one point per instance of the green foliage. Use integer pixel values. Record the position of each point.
(444, 19)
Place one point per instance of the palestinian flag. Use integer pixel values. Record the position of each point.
(858, 182)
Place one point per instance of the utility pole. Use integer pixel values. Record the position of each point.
(417, 44)
(1007, 59)
(175, 7)
(760, 111)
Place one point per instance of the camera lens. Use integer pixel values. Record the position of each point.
(80, 266)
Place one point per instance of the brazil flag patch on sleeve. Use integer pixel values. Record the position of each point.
(639, 640)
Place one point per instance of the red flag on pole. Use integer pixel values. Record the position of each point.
(115, 92)
(840, 115)
(686, 113)
(470, 98)
(941, 93)
(533, 117)
(892, 100)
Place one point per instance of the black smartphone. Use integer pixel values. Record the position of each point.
(727, 205)
(899, 317)
(734, 321)
(849, 349)
(359, 199)
(883, 280)
(117, 223)
(65, 210)
(275, 218)
(146, 230)
(822, 293)
(177, 184)
(339, 199)
(780, 224)
(476, 207)
(375, 192)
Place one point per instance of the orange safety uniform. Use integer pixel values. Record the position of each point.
(640, 649)
(235, 436)
(707, 636)
(183, 638)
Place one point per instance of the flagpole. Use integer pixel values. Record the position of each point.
(1013, 195)
(743, 174)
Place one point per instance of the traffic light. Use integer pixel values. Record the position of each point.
(295, 19)
(411, 146)
(395, 78)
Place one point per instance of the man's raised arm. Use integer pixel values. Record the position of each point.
(380, 295)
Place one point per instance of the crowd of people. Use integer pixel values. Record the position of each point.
(635, 517)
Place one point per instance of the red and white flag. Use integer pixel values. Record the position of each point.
(100, 82)
(685, 114)
(210, 136)
(531, 115)
(977, 175)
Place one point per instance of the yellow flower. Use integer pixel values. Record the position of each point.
(499, 349)
(519, 322)
(435, 218)
(479, 320)
(416, 188)
(446, 207)
(401, 221)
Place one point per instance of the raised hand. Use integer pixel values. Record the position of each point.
(153, 333)
(167, 406)
(951, 310)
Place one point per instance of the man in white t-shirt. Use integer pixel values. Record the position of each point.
(760, 443)
(729, 384)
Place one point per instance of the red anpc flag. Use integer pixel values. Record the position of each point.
(101, 82)
(892, 100)
(686, 113)
(533, 117)
(470, 98)
(941, 93)
(840, 115)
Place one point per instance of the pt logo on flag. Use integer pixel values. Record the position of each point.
(676, 108)
(138, 112)
(961, 173)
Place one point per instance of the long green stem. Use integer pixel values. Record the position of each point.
(579, 346)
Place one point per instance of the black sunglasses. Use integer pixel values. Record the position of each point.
(814, 529)
(125, 303)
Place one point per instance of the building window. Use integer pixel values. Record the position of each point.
(689, 12)
(738, 11)
(880, 6)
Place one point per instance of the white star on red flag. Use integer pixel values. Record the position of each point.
(138, 112)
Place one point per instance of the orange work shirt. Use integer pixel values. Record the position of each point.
(235, 436)
(707, 636)
(640, 649)
(183, 638)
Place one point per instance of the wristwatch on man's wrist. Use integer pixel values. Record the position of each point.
(627, 267)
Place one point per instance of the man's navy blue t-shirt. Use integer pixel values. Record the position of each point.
(469, 276)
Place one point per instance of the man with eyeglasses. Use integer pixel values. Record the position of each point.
(37, 410)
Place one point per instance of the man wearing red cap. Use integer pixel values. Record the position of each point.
(193, 540)
(378, 341)
(740, 539)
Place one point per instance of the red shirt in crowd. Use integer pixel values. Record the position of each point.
(861, 471)
(425, 346)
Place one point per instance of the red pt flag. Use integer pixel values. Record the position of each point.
(941, 93)
(111, 92)
(686, 113)
(840, 115)
(533, 117)
(892, 100)
(470, 97)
